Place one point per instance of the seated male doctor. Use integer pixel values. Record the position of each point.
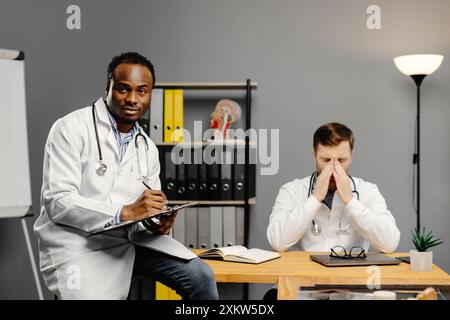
(331, 208)
(96, 162)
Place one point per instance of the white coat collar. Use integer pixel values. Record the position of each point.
(102, 117)
(102, 112)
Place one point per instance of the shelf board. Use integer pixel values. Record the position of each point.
(206, 143)
(205, 85)
(216, 203)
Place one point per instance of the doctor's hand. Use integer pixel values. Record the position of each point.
(342, 179)
(323, 181)
(165, 223)
(150, 202)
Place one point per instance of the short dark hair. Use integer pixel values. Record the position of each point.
(132, 58)
(332, 134)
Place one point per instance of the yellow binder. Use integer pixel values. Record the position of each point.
(168, 115)
(173, 295)
(163, 292)
(178, 116)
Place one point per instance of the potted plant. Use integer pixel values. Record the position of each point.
(421, 259)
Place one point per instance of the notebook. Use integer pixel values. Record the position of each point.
(240, 254)
(372, 259)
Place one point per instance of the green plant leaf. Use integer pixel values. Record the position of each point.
(423, 240)
(435, 241)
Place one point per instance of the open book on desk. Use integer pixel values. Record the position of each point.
(240, 254)
(170, 210)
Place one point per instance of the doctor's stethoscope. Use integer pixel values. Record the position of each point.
(315, 229)
(101, 167)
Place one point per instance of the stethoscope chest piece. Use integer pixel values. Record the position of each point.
(101, 168)
(315, 229)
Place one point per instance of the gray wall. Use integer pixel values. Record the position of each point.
(314, 61)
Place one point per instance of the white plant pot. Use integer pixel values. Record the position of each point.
(421, 261)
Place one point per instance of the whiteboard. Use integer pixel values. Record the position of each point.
(15, 186)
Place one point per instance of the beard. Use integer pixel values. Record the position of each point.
(126, 120)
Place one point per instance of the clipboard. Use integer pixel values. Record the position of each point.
(109, 226)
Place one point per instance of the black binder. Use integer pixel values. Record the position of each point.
(226, 189)
(238, 174)
(181, 181)
(239, 183)
(192, 187)
(203, 190)
(170, 188)
(214, 181)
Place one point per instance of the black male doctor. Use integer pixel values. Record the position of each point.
(96, 160)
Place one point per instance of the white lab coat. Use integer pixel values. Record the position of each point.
(371, 223)
(75, 201)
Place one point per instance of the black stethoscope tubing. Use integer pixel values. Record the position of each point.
(102, 167)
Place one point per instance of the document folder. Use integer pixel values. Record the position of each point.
(192, 187)
(170, 179)
(204, 229)
(168, 115)
(216, 228)
(157, 116)
(191, 228)
(229, 226)
(177, 116)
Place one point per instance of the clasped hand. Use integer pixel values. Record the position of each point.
(333, 169)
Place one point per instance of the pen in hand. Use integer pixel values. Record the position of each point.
(148, 187)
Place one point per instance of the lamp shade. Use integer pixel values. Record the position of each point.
(418, 64)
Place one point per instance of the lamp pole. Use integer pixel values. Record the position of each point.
(418, 66)
(418, 78)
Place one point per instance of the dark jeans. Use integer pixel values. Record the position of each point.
(271, 294)
(191, 279)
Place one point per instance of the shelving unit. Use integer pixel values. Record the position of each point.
(247, 87)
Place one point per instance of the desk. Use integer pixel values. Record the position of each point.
(294, 269)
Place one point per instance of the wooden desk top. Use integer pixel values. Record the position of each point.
(296, 264)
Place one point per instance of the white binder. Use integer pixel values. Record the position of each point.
(216, 229)
(191, 228)
(229, 226)
(203, 228)
(179, 228)
(156, 116)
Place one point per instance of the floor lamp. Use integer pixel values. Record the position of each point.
(418, 66)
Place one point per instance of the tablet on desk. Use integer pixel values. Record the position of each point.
(171, 210)
(371, 259)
